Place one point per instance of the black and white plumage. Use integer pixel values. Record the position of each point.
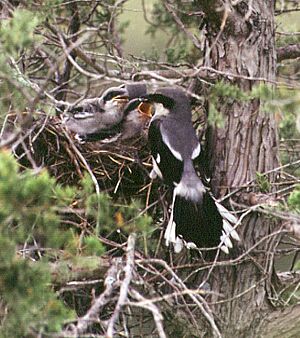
(103, 117)
(196, 219)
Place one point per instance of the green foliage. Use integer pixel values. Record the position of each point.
(17, 33)
(31, 303)
(27, 203)
(179, 48)
(263, 183)
(92, 246)
(281, 101)
(27, 210)
(229, 91)
(294, 199)
(30, 206)
(287, 126)
(287, 104)
(177, 54)
(233, 92)
(214, 116)
(110, 215)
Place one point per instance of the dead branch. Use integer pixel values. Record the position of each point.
(284, 323)
(128, 270)
(82, 268)
(288, 52)
(93, 313)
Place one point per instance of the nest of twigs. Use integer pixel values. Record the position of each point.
(120, 168)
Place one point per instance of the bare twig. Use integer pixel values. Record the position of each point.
(124, 286)
(288, 52)
(197, 299)
(181, 25)
(93, 313)
(144, 303)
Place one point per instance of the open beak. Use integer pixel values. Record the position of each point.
(121, 99)
(145, 108)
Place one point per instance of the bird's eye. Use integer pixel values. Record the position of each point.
(77, 109)
(114, 94)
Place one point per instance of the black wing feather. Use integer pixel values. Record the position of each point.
(170, 167)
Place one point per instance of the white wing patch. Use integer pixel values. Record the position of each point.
(83, 115)
(196, 151)
(173, 151)
(158, 158)
(155, 171)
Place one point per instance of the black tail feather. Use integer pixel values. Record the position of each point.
(201, 222)
(198, 222)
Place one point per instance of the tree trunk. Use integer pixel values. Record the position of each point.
(240, 41)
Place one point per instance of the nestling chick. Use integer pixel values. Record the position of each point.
(100, 118)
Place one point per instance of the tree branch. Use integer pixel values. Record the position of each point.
(93, 313)
(81, 268)
(284, 323)
(288, 52)
(65, 77)
(128, 270)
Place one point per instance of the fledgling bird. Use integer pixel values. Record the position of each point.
(103, 117)
(196, 218)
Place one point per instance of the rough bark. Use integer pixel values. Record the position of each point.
(240, 40)
(283, 324)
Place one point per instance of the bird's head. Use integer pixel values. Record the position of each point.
(166, 100)
(114, 98)
(117, 97)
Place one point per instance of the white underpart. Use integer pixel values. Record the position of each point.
(160, 110)
(173, 151)
(196, 151)
(112, 113)
(110, 106)
(192, 193)
(111, 139)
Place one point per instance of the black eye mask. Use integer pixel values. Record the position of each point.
(113, 93)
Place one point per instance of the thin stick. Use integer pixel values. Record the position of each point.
(128, 269)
